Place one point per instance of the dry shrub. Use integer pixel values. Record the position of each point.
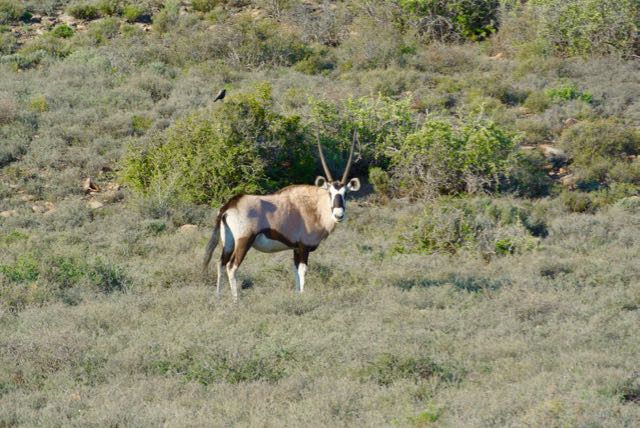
(492, 228)
(8, 109)
(372, 44)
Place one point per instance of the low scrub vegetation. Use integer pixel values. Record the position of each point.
(487, 268)
(492, 227)
(83, 11)
(388, 368)
(602, 152)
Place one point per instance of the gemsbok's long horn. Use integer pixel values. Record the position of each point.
(323, 161)
(345, 176)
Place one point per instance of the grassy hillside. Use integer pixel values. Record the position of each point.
(488, 275)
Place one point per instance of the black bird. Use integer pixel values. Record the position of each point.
(220, 95)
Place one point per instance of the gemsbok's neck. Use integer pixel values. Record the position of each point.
(324, 211)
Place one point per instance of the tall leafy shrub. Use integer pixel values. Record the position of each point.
(381, 123)
(211, 155)
(447, 157)
(582, 27)
(456, 19)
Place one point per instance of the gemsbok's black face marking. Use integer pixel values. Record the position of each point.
(295, 218)
(336, 192)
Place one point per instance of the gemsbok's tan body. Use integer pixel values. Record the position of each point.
(295, 218)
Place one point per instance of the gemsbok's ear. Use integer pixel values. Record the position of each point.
(353, 185)
(321, 182)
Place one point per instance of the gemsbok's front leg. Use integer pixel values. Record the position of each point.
(300, 259)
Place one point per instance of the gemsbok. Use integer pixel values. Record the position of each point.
(297, 218)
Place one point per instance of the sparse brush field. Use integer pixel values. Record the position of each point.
(547, 338)
(487, 276)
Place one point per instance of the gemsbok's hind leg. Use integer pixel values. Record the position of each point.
(295, 270)
(228, 245)
(231, 273)
(220, 279)
(239, 252)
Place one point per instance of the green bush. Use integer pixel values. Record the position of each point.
(445, 157)
(140, 124)
(193, 161)
(568, 92)
(209, 156)
(492, 227)
(631, 203)
(527, 174)
(601, 150)
(587, 141)
(10, 151)
(101, 31)
(319, 61)
(382, 123)
(625, 172)
(388, 368)
(577, 202)
(380, 181)
(590, 202)
(15, 141)
(534, 130)
(110, 7)
(65, 272)
(85, 11)
(133, 13)
(62, 31)
(168, 16)
(584, 27)
(425, 418)
(452, 20)
(10, 11)
(205, 5)
(24, 269)
(24, 60)
(108, 277)
(614, 193)
(47, 45)
(537, 101)
(13, 236)
(155, 227)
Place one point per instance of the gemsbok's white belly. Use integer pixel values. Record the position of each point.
(266, 245)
